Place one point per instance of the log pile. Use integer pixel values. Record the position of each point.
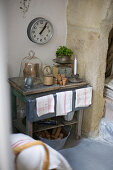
(52, 134)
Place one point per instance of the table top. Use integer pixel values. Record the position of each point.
(38, 87)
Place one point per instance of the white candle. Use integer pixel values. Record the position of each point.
(75, 66)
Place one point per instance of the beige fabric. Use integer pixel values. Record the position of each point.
(32, 158)
(18, 149)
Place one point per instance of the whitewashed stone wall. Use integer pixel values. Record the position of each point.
(88, 27)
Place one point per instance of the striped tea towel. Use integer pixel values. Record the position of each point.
(64, 103)
(45, 105)
(83, 97)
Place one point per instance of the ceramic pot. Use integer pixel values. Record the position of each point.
(63, 59)
(64, 80)
(55, 81)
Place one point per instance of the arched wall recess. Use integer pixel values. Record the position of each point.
(109, 58)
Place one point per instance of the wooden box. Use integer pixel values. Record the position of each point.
(66, 70)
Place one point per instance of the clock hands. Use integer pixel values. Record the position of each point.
(47, 70)
(40, 30)
(43, 28)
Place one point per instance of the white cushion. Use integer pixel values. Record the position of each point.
(32, 158)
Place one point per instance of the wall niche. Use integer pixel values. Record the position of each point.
(109, 59)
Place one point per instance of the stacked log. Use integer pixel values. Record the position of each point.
(52, 134)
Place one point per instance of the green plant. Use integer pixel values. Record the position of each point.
(63, 51)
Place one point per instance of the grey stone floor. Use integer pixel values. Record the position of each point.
(88, 154)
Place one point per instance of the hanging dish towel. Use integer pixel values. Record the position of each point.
(83, 97)
(45, 105)
(64, 103)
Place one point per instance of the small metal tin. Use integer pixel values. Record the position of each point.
(48, 80)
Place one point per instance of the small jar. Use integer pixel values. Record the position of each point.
(59, 78)
(55, 81)
(64, 80)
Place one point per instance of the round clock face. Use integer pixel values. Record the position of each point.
(47, 70)
(40, 30)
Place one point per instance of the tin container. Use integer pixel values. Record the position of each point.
(58, 143)
(48, 80)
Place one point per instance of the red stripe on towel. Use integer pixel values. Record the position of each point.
(47, 107)
(20, 142)
(42, 108)
(49, 104)
(65, 103)
(85, 98)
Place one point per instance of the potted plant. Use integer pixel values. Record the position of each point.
(63, 54)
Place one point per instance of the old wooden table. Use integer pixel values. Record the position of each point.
(18, 90)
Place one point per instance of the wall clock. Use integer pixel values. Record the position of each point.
(40, 30)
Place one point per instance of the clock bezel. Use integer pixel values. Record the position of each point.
(30, 27)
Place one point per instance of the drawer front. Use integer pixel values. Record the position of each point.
(31, 106)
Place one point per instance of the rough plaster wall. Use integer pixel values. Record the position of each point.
(88, 26)
(18, 42)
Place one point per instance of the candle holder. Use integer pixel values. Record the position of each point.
(75, 79)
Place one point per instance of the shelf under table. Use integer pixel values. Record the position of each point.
(60, 122)
(20, 125)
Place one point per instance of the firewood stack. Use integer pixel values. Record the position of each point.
(52, 134)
